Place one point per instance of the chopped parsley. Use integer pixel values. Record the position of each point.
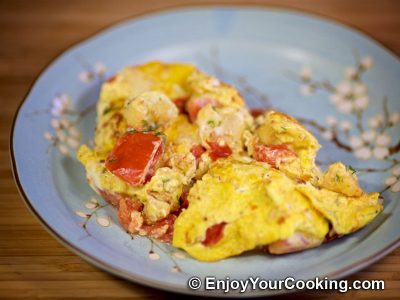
(164, 181)
(162, 135)
(158, 133)
(338, 178)
(131, 130)
(211, 123)
(109, 109)
(113, 160)
(149, 127)
(351, 169)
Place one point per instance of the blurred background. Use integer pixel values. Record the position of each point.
(32, 34)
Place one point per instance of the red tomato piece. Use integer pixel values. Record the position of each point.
(162, 230)
(180, 103)
(214, 234)
(193, 106)
(131, 218)
(217, 151)
(197, 151)
(111, 79)
(113, 198)
(256, 112)
(129, 221)
(273, 154)
(184, 200)
(135, 156)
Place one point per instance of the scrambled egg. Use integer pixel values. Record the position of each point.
(259, 205)
(341, 179)
(224, 125)
(231, 182)
(345, 213)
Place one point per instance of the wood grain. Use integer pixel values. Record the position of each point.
(32, 33)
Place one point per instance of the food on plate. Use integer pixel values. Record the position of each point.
(184, 161)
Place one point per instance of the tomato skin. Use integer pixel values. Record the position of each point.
(217, 151)
(180, 103)
(273, 154)
(184, 200)
(161, 230)
(131, 218)
(134, 157)
(214, 234)
(111, 79)
(256, 112)
(113, 198)
(125, 208)
(193, 106)
(197, 151)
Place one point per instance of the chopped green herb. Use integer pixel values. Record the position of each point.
(149, 127)
(211, 123)
(162, 135)
(131, 130)
(284, 128)
(164, 181)
(351, 169)
(108, 109)
(113, 160)
(112, 107)
(338, 178)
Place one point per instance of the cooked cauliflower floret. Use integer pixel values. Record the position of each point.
(224, 126)
(149, 110)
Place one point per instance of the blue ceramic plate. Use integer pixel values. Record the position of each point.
(339, 82)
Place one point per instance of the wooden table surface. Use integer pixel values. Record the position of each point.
(32, 263)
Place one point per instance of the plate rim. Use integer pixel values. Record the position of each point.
(156, 284)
